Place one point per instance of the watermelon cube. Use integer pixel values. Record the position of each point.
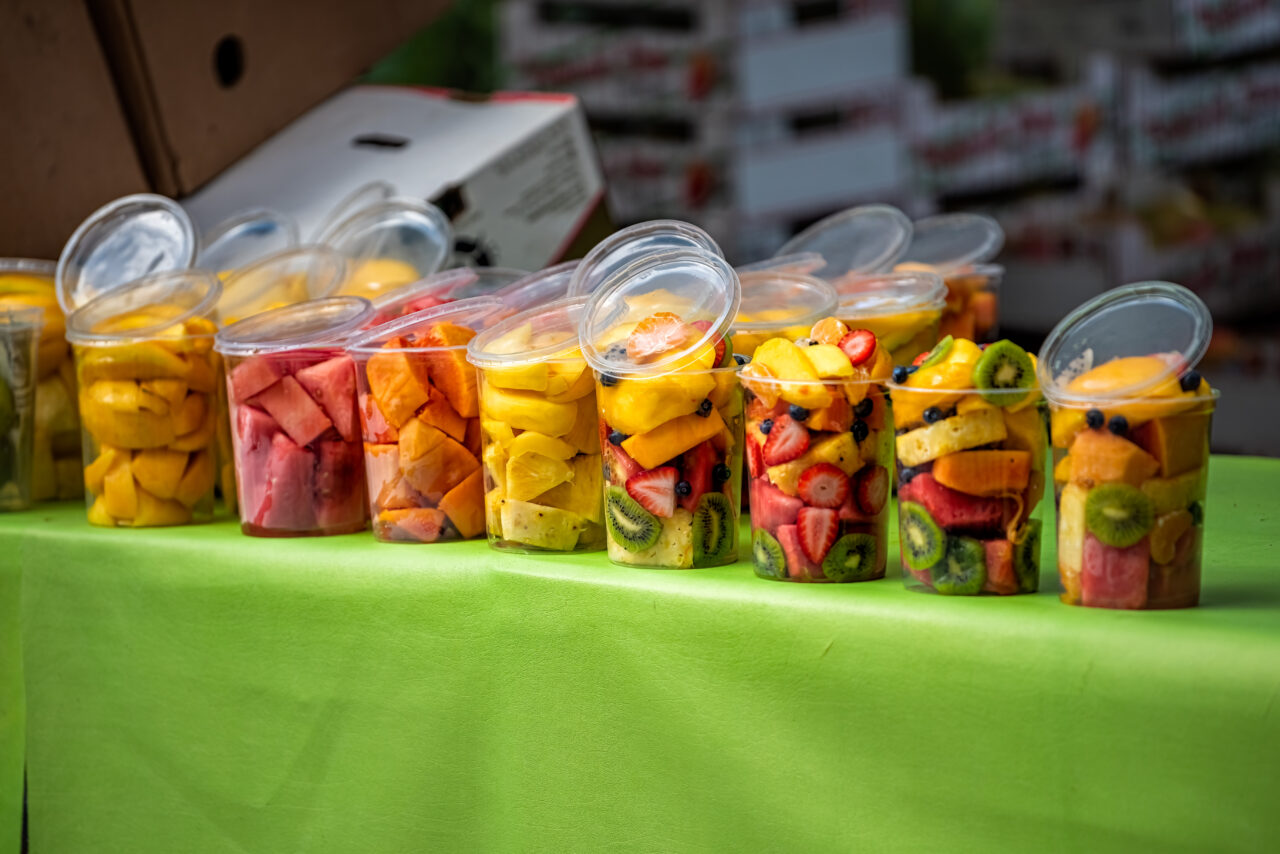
(799, 567)
(339, 485)
(1113, 577)
(294, 410)
(955, 511)
(288, 504)
(376, 428)
(695, 468)
(771, 508)
(1000, 575)
(332, 384)
(253, 376)
(254, 431)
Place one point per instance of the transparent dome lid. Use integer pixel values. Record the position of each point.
(947, 241)
(327, 322)
(364, 196)
(865, 239)
(167, 299)
(292, 276)
(1157, 319)
(547, 332)
(779, 299)
(881, 294)
(633, 243)
(540, 288)
(29, 267)
(475, 313)
(799, 262)
(391, 243)
(247, 237)
(120, 243)
(489, 281)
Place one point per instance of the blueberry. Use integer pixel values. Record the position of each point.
(608, 380)
(1118, 425)
(864, 407)
(721, 473)
(1190, 381)
(860, 431)
(911, 369)
(905, 475)
(1197, 513)
(766, 425)
(932, 414)
(899, 374)
(617, 437)
(798, 413)
(740, 359)
(1094, 418)
(683, 488)
(812, 342)
(704, 408)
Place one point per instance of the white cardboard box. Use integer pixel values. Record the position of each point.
(516, 172)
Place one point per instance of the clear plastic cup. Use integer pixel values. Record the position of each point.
(420, 414)
(391, 243)
(245, 238)
(541, 288)
(19, 334)
(1130, 421)
(295, 429)
(635, 243)
(286, 278)
(958, 247)
(540, 431)
(855, 241)
(148, 379)
(779, 304)
(670, 409)
(436, 289)
(903, 310)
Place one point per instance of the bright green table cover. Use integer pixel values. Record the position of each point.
(195, 690)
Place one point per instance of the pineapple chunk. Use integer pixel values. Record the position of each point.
(530, 475)
(673, 549)
(527, 411)
(638, 406)
(1071, 531)
(1168, 494)
(583, 495)
(1025, 430)
(839, 449)
(541, 527)
(533, 442)
(949, 435)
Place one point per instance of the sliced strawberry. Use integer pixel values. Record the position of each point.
(823, 485)
(696, 469)
(703, 326)
(657, 335)
(787, 440)
(872, 490)
(858, 345)
(920, 358)
(655, 490)
(755, 458)
(818, 529)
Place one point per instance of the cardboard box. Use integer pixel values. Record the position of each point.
(515, 172)
(65, 148)
(203, 83)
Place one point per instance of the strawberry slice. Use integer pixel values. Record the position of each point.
(818, 529)
(703, 326)
(696, 470)
(755, 458)
(858, 345)
(655, 490)
(657, 335)
(823, 485)
(872, 490)
(787, 440)
(918, 359)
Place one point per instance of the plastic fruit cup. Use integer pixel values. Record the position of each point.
(821, 516)
(286, 278)
(391, 243)
(19, 335)
(971, 475)
(903, 310)
(541, 433)
(779, 304)
(294, 428)
(148, 379)
(973, 303)
(419, 411)
(686, 428)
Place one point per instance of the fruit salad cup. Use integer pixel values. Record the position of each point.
(294, 427)
(286, 278)
(634, 243)
(420, 413)
(819, 442)
(19, 336)
(540, 429)
(779, 305)
(148, 379)
(959, 247)
(970, 452)
(902, 310)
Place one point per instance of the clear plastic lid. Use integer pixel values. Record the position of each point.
(166, 299)
(296, 275)
(246, 237)
(947, 241)
(476, 314)
(882, 294)
(1158, 319)
(429, 292)
(799, 262)
(121, 242)
(29, 267)
(634, 243)
(544, 333)
(364, 196)
(392, 243)
(489, 281)
(539, 288)
(692, 284)
(777, 299)
(327, 322)
(865, 239)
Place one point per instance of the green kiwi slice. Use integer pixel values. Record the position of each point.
(1026, 557)
(1118, 514)
(852, 558)
(938, 353)
(923, 543)
(715, 532)
(629, 524)
(1002, 370)
(963, 570)
(767, 556)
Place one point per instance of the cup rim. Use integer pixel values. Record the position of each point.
(239, 339)
(361, 344)
(79, 324)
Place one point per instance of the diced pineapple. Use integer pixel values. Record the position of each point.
(838, 449)
(533, 442)
(1071, 532)
(530, 475)
(527, 410)
(1168, 494)
(538, 526)
(584, 494)
(673, 549)
(638, 406)
(949, 435)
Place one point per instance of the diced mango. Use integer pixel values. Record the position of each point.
(98, 514)
(138, 428)
(199, 438)
(1168, 494)
(526, 377)
(522, 410)
(639, 405)
(156, 512)
(984, 473)
(1100, 456)
(159, 471)
(119, 491)
(673, 438)
(190, 413)
(829, 361)
(172, 391)
(97, 470)
(143, 360)
(1179, 443)
(197, 480)
(1166, 531)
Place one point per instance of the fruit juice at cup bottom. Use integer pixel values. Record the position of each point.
(819, 451)
(420, 415)
(148, 379)
(903, 310)
(19, 334)
(294, 427)
(970, 452)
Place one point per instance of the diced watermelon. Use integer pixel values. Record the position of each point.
(254, 432)
(253, 376)
(849, 511)
(294, 410)
(624, 468)
(696, 469)
(798, 564)
(339, 485)
(376, 428)
(1000, 575)
(1113, 577)
(288, 504)
(771, 508)
(954, 510)
(332, 384)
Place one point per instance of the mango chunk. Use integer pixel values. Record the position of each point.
(156, 512)
(1179, 443)
(673, 438)
(119, 492)
(639, 405)
(1100, 456)
(159, 471)
(197, 480)
(144, 360)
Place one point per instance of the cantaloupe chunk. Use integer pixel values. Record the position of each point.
(1179, 443)
(1100, 456)
(992, 472)
(397, 385)
(464, 505)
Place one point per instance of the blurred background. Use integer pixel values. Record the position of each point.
(1114, 140)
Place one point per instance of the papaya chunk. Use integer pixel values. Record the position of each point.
(984, 472)
(464, 505)
(396, 386)
(450, 370)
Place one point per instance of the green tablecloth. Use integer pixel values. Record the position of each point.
(195, 690)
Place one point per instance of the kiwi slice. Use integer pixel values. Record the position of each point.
(767, 555)
(1002, 370)
(923, 543)
(714, 532)
(630, 525)
(938, 353)
(1118, 514)
(852, 558)
(963, 570)
(1026, 557)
